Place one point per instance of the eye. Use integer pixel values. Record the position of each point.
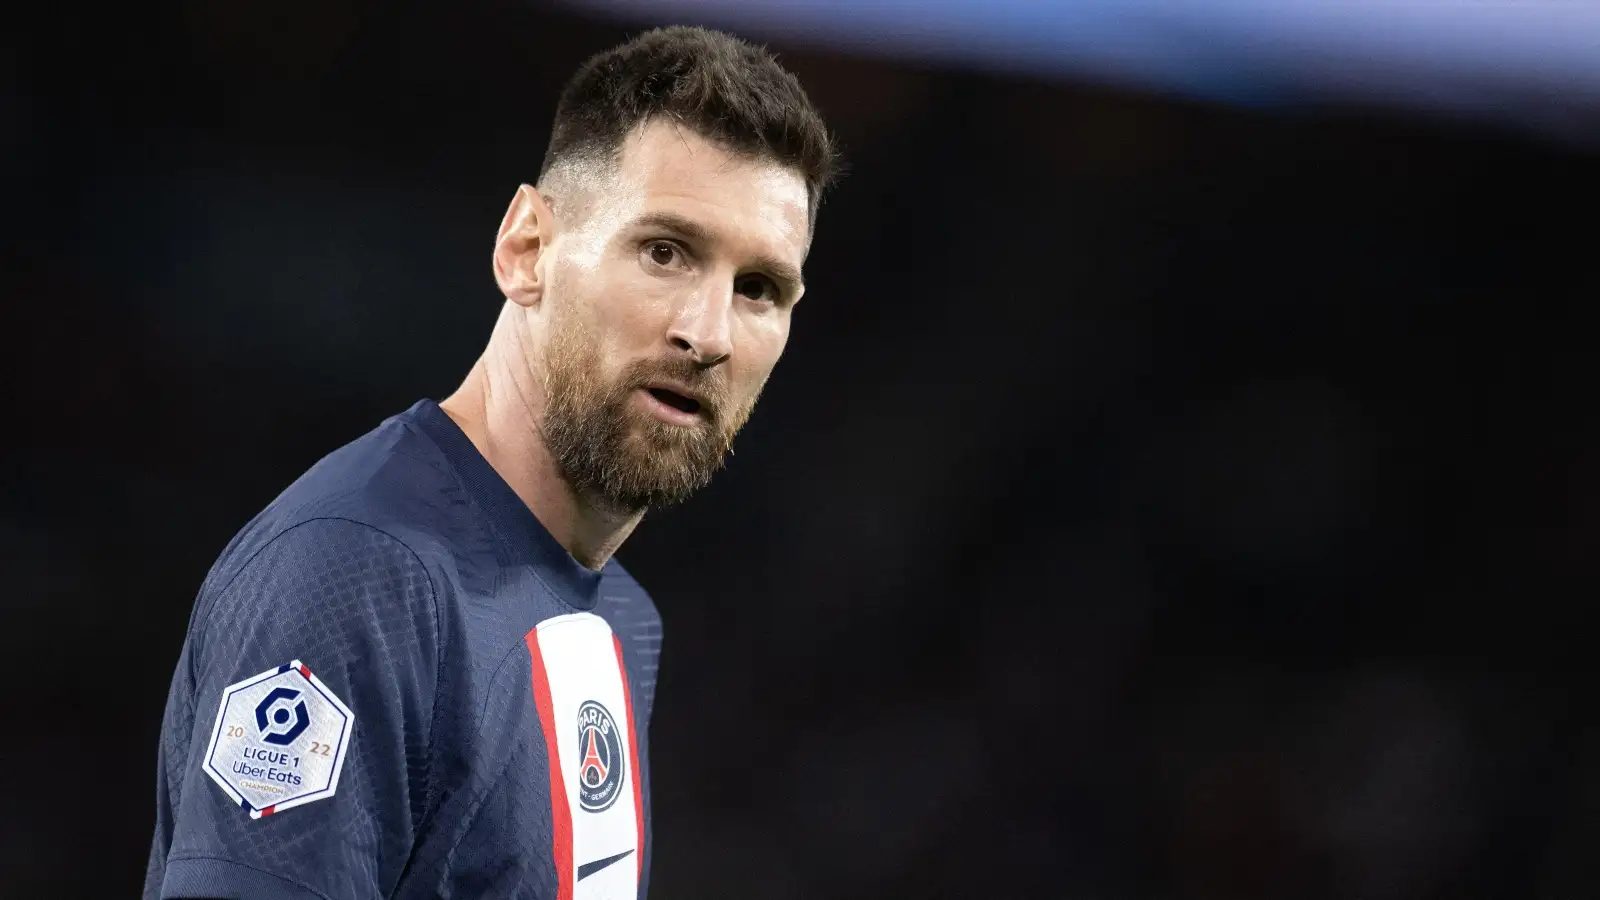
(756, 287)
(664, 254)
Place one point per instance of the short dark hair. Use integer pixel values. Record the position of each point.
(724, 88)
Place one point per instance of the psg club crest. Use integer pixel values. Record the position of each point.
(600, 758)
(279, 740)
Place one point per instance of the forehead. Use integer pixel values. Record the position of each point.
(742, 200)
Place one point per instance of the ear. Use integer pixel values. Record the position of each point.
(524, 234)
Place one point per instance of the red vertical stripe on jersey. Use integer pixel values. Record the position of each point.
(560, 811)
(633, 756)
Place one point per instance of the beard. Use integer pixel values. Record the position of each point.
(610, 451)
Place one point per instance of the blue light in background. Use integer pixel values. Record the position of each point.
(1534, 62)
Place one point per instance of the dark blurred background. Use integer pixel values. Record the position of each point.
(1160, 497)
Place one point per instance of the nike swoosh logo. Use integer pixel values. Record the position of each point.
(589, 868)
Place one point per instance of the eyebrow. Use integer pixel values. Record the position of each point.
(694, 231)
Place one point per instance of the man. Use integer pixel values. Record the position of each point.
(419, 672)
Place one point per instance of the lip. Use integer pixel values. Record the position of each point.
(671, 414)
(678, 388)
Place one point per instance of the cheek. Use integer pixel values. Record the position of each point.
(763, 349)
(628, 309)
(592, 317)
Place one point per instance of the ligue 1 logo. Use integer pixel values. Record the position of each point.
(280, 732)
(601, 760)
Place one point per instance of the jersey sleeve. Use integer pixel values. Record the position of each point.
(325, 645)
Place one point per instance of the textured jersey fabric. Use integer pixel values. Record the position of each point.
(413, 582)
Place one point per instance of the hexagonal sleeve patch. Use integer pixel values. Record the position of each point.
(279, 740)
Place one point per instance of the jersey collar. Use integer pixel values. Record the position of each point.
(527, 538)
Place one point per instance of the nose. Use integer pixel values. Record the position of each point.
(703, 328)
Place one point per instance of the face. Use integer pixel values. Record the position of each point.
(664, 301)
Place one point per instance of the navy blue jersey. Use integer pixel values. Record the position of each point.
(396, 683)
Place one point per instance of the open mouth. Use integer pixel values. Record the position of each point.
(675, 400)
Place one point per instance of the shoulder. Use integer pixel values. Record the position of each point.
(393, 479)
(363, 533)
(386, 500)
(322, 575)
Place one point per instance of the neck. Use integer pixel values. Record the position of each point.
(499, 406)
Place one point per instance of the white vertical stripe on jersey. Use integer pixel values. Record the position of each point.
(580, 662)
